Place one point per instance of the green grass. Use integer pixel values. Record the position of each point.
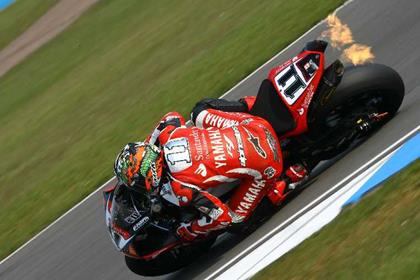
(67, 110)
(19, 16)
(378, 238)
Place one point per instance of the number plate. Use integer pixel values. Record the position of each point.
(292, 82)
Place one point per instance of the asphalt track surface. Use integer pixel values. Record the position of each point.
(78, 246)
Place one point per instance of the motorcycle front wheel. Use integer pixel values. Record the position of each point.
(170, 261)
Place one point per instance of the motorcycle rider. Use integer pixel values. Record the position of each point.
(226, 144)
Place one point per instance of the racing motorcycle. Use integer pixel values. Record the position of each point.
(317, 112)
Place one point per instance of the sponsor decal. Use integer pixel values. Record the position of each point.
(252, 193)
(255, 141)
(254, 190)
(134, 216)
(141, 223)
(201, 169)
(215, 213)
(177, 154)
(301, 111)
(308, 97)
(240, 144)
(250, 196)
(269, 172)
(195, 133)
(205, 145)
(229, 146)
(217, 147)
(155, 177)
(308, 67)
(272, 143)
(218, 121)
(236, 218)
(247, 121)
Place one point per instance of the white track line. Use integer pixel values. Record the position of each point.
(314, 202)
(226, 93)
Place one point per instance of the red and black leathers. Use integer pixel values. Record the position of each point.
(222, 147)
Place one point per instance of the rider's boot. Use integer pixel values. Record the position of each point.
(296, 173)
(282, 188)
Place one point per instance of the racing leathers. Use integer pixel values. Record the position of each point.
(222, 147)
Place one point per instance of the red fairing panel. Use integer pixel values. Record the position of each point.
(133, 254)
(249, 101)
(296, 81)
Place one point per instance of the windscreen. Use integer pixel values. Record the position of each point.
(129, 214)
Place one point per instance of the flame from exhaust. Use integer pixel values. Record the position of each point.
(358, 54)
(338, 33)
(341, 38)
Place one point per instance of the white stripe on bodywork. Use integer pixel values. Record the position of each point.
(248, 171)
(185, 184)
(223, 179)
(220, 178)
(200, 118)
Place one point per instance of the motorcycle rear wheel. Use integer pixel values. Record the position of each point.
(370, 80)
(363, 89)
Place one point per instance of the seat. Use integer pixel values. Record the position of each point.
(270, 106)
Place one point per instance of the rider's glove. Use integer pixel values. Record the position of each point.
(184, 231)
(296, 173)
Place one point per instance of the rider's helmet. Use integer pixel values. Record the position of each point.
(139, 166)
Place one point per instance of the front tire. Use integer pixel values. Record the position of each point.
(170, 261)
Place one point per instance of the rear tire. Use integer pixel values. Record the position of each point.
(370, 79)
(363, 88)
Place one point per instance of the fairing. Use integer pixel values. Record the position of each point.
(296, 81)
(125, 214)
(131, 228)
